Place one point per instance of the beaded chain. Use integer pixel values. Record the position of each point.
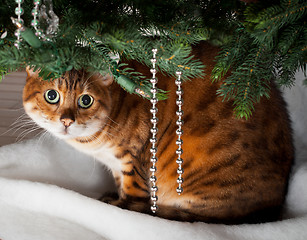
(34, 23)
(18, 11)
(52, 21)
(179, 132)
(154, 131)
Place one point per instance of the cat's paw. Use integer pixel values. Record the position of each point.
(109, 197)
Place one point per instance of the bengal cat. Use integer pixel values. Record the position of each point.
(235, 170)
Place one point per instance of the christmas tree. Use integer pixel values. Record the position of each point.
(260, 40)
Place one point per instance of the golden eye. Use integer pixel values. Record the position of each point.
(52, 96)
(85, 101)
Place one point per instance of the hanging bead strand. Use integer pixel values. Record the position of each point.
(154, 131)
(18, 11)
(38, 32)
(179, 132)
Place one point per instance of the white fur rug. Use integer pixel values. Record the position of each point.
(48, 191)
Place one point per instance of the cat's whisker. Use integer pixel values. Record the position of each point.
(93, 168)
(91, 83)
(20, 118)
(29, 130)
(15, 110)
(113, 128)
(93, 138)
(24, 133)
(41, 133)
(86, 81)
(21, 122)
(112, 120)
(42, 137)
(13, 128)
(110, 135)
(18, 127)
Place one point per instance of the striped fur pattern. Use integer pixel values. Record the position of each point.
(234, 170)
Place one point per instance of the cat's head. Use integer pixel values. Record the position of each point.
(72, 106)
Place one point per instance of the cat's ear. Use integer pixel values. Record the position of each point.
(106, 79)
(31, 72)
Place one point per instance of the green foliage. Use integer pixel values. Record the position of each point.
(84, 41)
(3, 72)
(260, 41)
(270, 43)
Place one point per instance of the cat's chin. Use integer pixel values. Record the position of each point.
(64, 136)
(71, 135)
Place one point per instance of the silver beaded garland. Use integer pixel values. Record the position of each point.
(179, 132)
(51, 19)
(154, 131)
(38, 32)
(19, 21)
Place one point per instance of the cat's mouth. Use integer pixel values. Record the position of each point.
(64, 133)
(75, 131)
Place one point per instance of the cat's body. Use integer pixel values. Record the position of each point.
(234, 170)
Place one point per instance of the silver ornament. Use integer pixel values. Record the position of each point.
(47, 17)
(19, 11)
(154, 80)
(155, 198)
(154, 130)
(154, 100)
(180, 180)
(154, 110)
(153, 140)
(18, 22)
(179, 190)
(153, 169)
(179, 113)
(180, 171)
(153, 178)
(179, 122)
(179, 161)
(154, 208)
(153, 160)
(154, 120)
(34, 23)
(179, 151)
(153, 150)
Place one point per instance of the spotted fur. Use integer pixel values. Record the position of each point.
(234, 170)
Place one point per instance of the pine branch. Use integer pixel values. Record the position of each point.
(259, 39)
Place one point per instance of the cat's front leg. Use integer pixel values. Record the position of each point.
(131, 183)
(133, 192)
(134, 183)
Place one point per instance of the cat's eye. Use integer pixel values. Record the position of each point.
(52, 96)
(85, 101)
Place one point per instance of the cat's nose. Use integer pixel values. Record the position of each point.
(67, 121)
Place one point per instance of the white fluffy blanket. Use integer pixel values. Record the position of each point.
(48, 191)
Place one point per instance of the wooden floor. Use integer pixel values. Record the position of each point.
(12, 126)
